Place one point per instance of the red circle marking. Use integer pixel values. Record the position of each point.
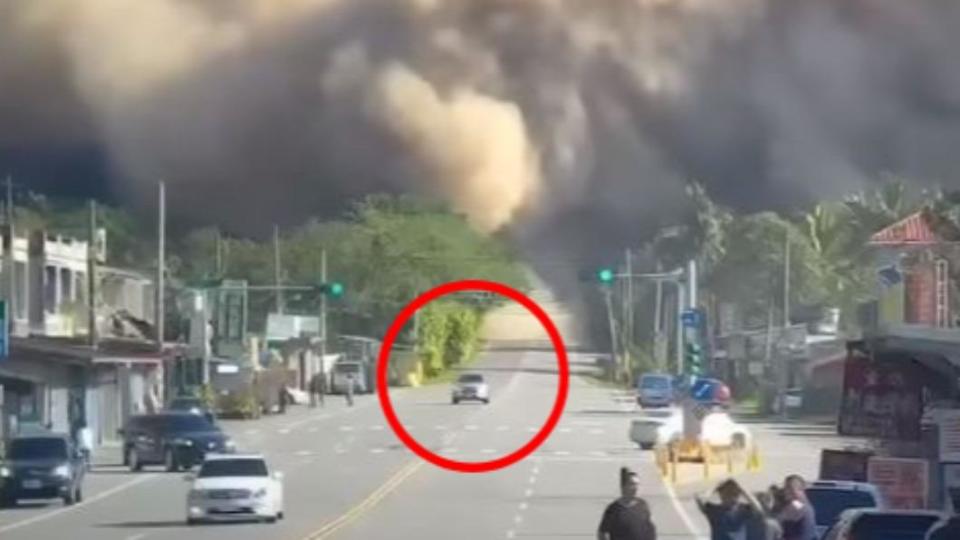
(558, 404)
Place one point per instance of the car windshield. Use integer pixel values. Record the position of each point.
(891, 527)
(655, 383)
(233, 467)
(347, 368)
(471, 378)
(187, 423)
(829, 503)
(39, 448)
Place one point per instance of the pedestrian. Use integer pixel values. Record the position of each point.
(349, 390)
(762, 525)
(282, 399)
(321, 387)
(628, 517)
(85, 442)
(728, 518)
(797, 517)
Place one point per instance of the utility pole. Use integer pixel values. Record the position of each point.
(218, 268)
(277, 271)
(628, 331)
(92, 337)
(681, 304)
(10, 256)
(607, 295)
(782, 379)
(323, 306)
(658, 333)
(161, 268)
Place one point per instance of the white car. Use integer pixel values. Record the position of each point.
(235, 487)
(657, 428)
(717, 429)
(470, 386)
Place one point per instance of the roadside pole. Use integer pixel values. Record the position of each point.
(613, 333)
(323, 311)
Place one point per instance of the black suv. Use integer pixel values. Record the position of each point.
(46, 466)
(175, 440)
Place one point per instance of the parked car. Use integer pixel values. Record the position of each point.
(192, 405)
(657, 427)
(655, 390)
(235, 487)
(470, 387)
(831, 498)
(175, 440)
(43, 466)
(343, 371)
(873, 524)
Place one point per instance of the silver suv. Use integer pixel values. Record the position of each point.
(470, 386)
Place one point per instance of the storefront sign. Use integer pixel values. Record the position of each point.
(880, 399)
(903, 482)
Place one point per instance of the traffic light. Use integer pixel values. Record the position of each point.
(606, 276)
(333, 289)
(694, 359)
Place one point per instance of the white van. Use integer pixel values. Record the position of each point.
(343, 371)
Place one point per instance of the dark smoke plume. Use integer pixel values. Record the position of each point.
(570, 122)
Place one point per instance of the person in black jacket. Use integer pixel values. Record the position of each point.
(627, 518)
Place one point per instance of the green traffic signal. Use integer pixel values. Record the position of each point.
(606, 275)
(694, 359)
(333, 289)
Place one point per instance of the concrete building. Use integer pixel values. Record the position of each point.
(52, 376)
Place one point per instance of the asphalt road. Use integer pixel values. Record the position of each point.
(347, 476)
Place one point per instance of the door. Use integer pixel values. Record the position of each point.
(143, 437)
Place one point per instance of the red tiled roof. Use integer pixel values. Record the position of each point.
(913, 229)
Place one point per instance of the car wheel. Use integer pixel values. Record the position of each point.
(133, 460)
(79, 495)
(191, 522)
(271, 519)
(455, 401)
(646, 446)
(280, 514)
(170, 460)
(69, 499)
(486, 401)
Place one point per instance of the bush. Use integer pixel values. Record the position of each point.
(448, 335)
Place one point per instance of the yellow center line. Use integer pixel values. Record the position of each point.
(328, 529)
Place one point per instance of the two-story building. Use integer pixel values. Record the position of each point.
(904, 374)
(52, 375)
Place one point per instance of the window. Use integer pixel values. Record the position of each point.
(233, 467)
(50, 289)
(66, 286)
(471, 378)
(20, 275)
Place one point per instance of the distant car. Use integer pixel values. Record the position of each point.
(655, 390)
(470, 387)
(235, 487)
(871, 524)
(343, 371)
(831, 498)
(191, 405)
(718, 429)
(44, 466)
(658, 427)
(174, 439)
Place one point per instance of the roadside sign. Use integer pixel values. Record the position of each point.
(4, 331)
(690, 318)
(903, 482)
